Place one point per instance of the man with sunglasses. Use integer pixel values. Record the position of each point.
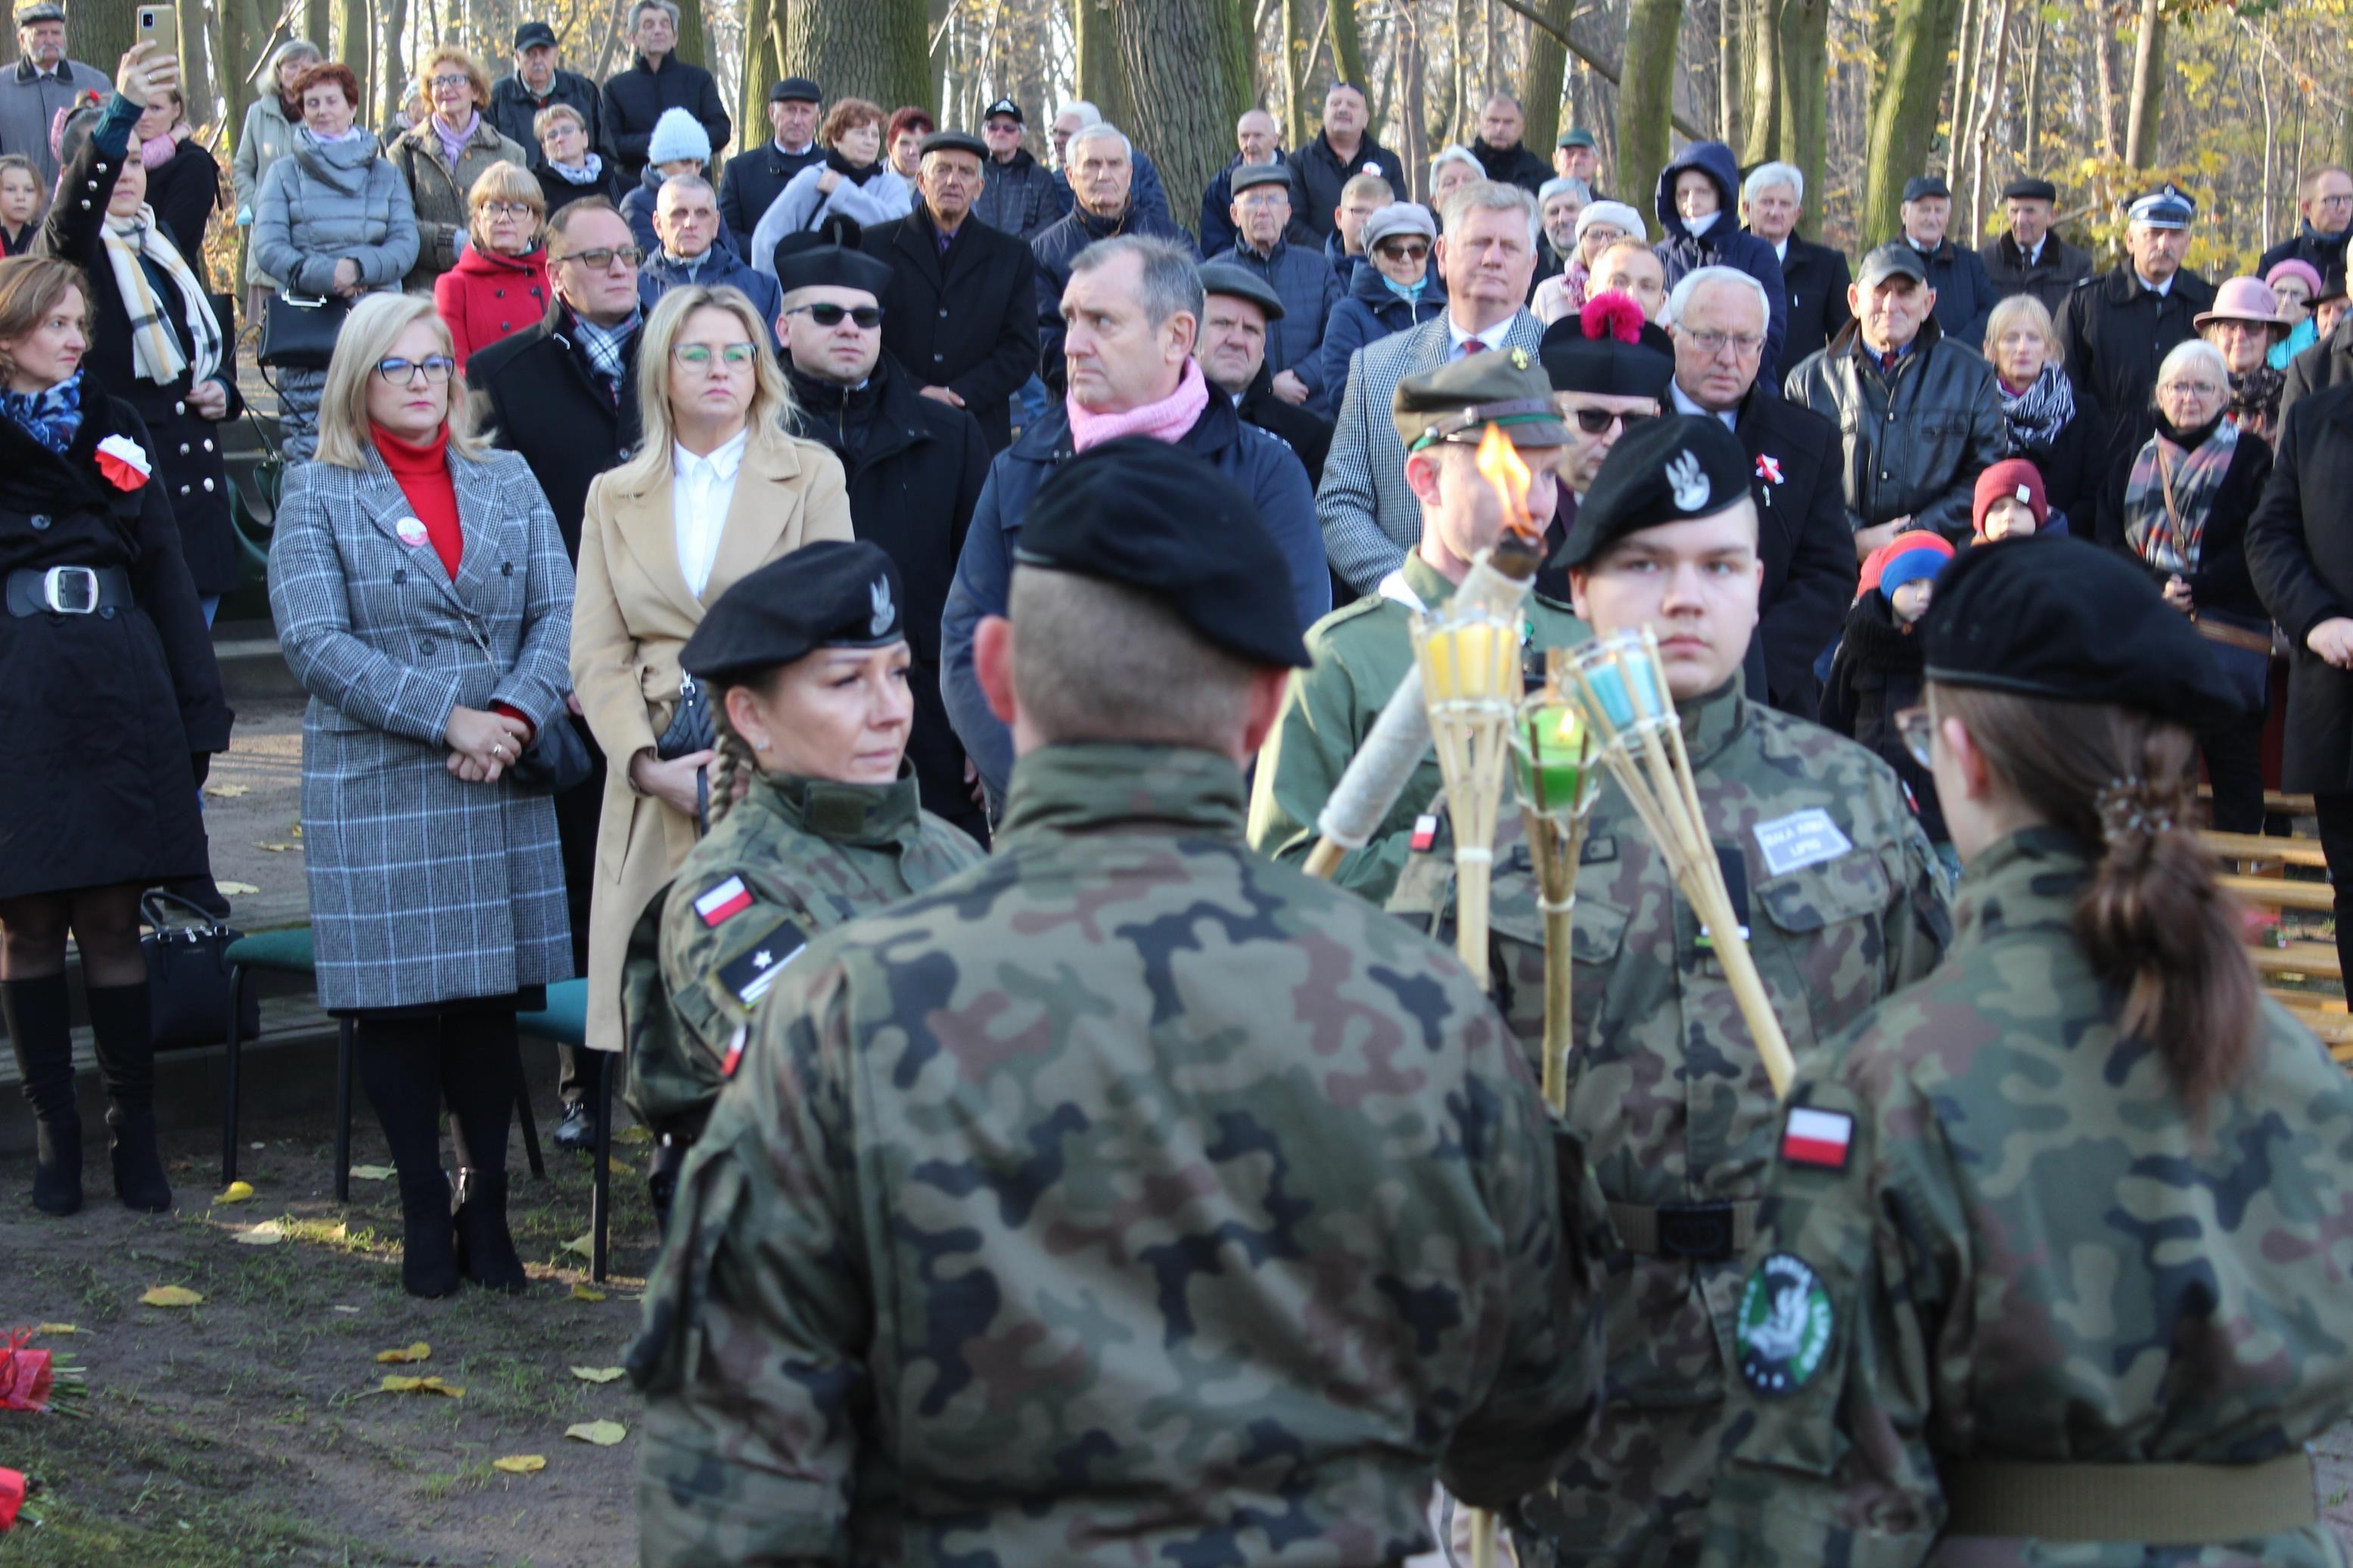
(1362, 651)
(1838, 894)
(914, 466)
(564, 394)
(1717, 316)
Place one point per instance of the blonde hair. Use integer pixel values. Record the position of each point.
(376, 324)
(772, 412)
(556, 114)
(505, 182)
(474, 74)
(2028, 309)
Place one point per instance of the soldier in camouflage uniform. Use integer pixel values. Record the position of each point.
(1362, 651)
(1126, 1198)
(1843, 906)
(2056, 1241)
(805, 662)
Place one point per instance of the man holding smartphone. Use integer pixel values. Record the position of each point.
(44, 82)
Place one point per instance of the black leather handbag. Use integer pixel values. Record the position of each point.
(691, 729)
(299, 333)
(187, 975)
(557, 758)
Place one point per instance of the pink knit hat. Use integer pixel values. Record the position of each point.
(2292, 267)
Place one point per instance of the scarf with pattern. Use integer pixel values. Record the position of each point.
(2037, 414)
(52, 417)
(2191, 464)
(155, 352)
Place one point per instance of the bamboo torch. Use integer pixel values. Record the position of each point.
(1621, 687)
(1551, 747)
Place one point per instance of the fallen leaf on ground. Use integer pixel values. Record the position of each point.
(234, 1193)
(338, 1307)
(274, 849)
(618, 1166)
(373, 1173)
(54, 1328)
(634, 1134)
(604, 1433)
(421, 1386)
(238, 889)
(416, 1352)
(581, 1244)
(521, 1464)
(170, 1296)
(584, 1293)
(597, 1373)
(227, 791)
(268, 1233)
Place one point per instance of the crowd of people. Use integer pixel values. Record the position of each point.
(890, 610)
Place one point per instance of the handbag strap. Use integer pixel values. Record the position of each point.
(153, 908)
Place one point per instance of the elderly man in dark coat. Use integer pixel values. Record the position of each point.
(1240, 313)
(2118, 327)
(1964, 293)
(655, 80)
(1299, 275)
(538, 83)
(2028, 259)
(960, 315)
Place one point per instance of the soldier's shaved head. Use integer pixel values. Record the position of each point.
(1096, 661)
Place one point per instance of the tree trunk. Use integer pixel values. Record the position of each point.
(1764, 137)
(196, 68)
(1347, 48)
(354, 43)
(1727, 71)
(1298, 49)
(1101, 81)
(1982, 137)
(2148, 87)
(318, 23)
(878, 44)
(692, 48)
(1903, 118)
(1546, 84)
(1646, 95)
(1804, 99)
(1413, 114)
(1187, 66)
(1968, 71)
(2028, 142)
(2105, 65)
(391, 77)
(99, 32)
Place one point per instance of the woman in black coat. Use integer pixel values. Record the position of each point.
(572, 168)
(2053, 423)
(2179, 509)
(111, 703)
(2300, 555)
(183, 391)
(184, 182)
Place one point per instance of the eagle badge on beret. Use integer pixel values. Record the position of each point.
(1689, 481)
(879, 596)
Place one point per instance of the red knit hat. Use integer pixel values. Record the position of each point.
(2012, 479)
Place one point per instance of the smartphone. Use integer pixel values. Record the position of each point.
(160, 24)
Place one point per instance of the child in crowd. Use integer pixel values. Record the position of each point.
(1875, 674)
(20, 203)
(2011, 504)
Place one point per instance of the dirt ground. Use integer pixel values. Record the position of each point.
(248, 1429)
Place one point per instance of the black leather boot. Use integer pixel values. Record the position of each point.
(401, 1067)
(481, 1072)
(486, 1249)
(41, 1031)
(428, 1253)
(121, 1029)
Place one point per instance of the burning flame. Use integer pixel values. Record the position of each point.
(1499, 464)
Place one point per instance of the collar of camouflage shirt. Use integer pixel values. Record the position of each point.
(872, 816)
(2029, 881)
(1711, 720)
(1088, 786)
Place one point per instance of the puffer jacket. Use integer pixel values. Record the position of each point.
(268, 136)
(324, 202)
(1726, 243)
(885, 195)
(439, 192)
(1021, 196)
(1308, 288)
(1914, 440)
(1369, 311)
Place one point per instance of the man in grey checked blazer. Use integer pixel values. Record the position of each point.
(1488, 256)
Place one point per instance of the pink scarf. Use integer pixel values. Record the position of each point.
(1166, 420)
(158, 151)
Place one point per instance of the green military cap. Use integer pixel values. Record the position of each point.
(1457, 401)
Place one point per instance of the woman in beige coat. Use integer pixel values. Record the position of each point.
(717, 489)
(443, 154)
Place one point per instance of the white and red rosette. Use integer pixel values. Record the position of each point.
(123, 462)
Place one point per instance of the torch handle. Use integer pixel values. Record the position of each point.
(1703, 886)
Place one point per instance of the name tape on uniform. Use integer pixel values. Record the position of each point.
(724, 902)
(1820, 1138)
(1802, 838)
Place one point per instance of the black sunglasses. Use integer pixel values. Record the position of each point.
(866, 316)
(1593, 421)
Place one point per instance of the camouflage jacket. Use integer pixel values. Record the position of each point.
(1665, 1087)
(796, 856)
(1995, 1232)
(1124, 1198)
(1361, 651)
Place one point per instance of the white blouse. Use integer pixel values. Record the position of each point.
(701, 491)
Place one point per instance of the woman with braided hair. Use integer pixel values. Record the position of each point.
(814, 813)
(2048, 1234)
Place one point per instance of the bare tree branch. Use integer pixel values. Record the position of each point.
(1599, 67)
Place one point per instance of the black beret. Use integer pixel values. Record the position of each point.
(796, 89)
(1605, 364)
(1158, 518)
(2060, 617)
(838, 265)
(1668, 470)
(2027, 188)
(833, 594)
(953, 141)
(1920, 186)
(1240, 283)
(1250, 176)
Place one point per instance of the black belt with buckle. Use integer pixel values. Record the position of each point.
(1699, 1233)
(68, 590)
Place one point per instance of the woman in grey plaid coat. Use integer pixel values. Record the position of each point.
(423, 598)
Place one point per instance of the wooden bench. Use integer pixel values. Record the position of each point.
(2262, 849)
(2280, 893)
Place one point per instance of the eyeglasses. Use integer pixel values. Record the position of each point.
(698, 356)
(453, 79)
(1917, 728)
(604, 255)
(1256, 202)
(1594, 421)
(868, 317)
(1746, 345)
(1405, 251)
(438, 368)
(509, 209)
(2196, 388)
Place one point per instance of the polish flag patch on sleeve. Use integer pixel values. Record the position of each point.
(724, 902)
(1818, 1138)
(1425, 832)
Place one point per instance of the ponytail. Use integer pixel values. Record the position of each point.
(2154, 923)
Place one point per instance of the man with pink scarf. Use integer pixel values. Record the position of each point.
(1131, 311)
